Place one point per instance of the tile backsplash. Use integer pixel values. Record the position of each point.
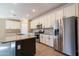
(48, 31)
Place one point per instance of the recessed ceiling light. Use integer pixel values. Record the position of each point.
(27, 15)
(12, 11)
(33, 10)
(11, 15)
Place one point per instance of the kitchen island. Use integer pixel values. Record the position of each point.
(18, 45)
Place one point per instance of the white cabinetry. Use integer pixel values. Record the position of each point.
(59, 14)
(48, 40)
(33, 24)
(44, 39)
(70, 10)
(47, 21)
(51, 41)
(43, 22)
(52, 18)
(41, 38)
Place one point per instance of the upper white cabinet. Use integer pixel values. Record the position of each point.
(45, 21)
(59, 14)
(42, 22)
(52, 18)
(77, 8)
(48, 19)
(70, 10)
(33, 24)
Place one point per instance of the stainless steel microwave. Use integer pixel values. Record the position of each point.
(39, 26)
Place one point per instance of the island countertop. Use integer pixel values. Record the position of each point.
(16, 38)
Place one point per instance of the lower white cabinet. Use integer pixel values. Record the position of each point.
(51, 41)
(46, 39)
(41, 38)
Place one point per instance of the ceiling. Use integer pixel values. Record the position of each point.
(25, 10)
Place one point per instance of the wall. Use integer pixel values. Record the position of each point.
(11, 24)
(2, 29)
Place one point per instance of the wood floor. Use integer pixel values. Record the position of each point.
(43, 50)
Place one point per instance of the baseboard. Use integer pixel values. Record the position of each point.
(61, 52)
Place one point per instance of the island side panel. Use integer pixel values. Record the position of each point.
(26, 47)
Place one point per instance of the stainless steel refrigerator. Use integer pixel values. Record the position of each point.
(65, 36)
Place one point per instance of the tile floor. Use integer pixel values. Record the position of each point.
(43, 50)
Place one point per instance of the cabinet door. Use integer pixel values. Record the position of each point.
(47, 40)
(48, 21)
(41, 38)
(39, 21)
(43, 22)
(35, 23)
(44, 39)
(59, 14)
(51, 40)
(32, 24)
(70, 10)
(52, 18)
